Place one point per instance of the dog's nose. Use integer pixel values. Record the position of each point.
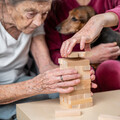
(58, 28)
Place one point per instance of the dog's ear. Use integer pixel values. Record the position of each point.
(90, 11)
(87, 14)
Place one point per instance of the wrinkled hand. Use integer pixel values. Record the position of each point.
(85, 36)
(50, 81)
(104, 52)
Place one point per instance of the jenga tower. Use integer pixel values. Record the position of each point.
(81, 97)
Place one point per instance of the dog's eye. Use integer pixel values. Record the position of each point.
(74, 19)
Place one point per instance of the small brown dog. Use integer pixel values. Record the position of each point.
(78, 17)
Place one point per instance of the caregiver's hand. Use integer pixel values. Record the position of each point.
(89, 32)
(85, 36)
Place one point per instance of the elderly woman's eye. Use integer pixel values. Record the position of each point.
(30, 15)
(45, 13)
(74, 19)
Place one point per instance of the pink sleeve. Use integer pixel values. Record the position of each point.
(116, 10)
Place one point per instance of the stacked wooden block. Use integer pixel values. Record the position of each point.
(81, 97)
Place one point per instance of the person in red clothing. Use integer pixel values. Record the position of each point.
(108, 72)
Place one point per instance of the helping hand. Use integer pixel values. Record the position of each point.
(85, 36)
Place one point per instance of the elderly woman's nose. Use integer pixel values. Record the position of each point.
(38, 20)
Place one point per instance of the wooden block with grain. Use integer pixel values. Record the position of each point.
(73, 55)
(76, 92)
(68, 113)
(85, 105)
(86, 68)
(66, 105)
(84, 84)
(84, 54)
(73, 62)
(81, 54)
(80, 101)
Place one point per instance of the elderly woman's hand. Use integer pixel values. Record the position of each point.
(58, 80)
(89, 32)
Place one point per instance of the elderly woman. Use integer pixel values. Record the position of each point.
(108, 15)
(22, 23)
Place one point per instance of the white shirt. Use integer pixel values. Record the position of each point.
(14, 54)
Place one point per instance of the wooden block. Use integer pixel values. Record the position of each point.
(63, 66)
(74, 62)
(85, 105)
(75, 97)
(81, 69)
(79, 92)
(81, 101)
(74, 55)
(85, 76)
(108, 117)
(65, 105)
(68, 113)
(84, 84)
(64, 98)
(61, 99)
(78, 97)
(87, 95)
(69, 98)
(84, 54)
(80, 54)
(86, 68)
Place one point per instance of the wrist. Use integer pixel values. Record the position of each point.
(32, 86)
(47, 66)
(100, 18)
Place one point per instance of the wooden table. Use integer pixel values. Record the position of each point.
(104, 103)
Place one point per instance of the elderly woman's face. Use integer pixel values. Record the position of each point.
(29, 15)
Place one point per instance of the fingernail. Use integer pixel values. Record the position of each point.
(68, 51)
(81, 47)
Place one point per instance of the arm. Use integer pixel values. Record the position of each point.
(46, 83)
(90, 31)
(41, 54)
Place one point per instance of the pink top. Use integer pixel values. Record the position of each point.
(54, 39)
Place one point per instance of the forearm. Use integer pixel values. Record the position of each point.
(13, 92)
(40, 52)
(109, 19)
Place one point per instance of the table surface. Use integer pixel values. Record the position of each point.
(104, 103)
